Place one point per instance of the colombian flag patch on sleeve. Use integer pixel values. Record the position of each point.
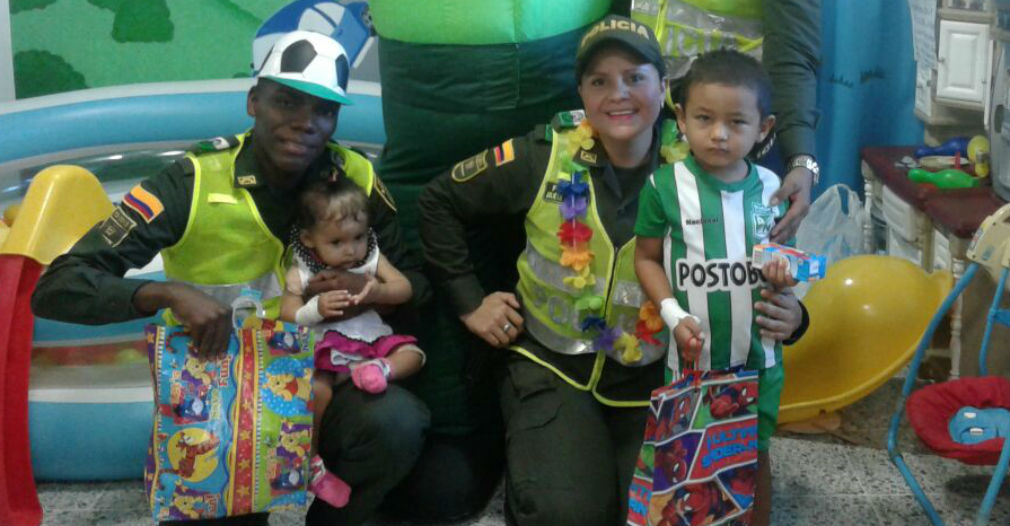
(504, 153)
(144, 203)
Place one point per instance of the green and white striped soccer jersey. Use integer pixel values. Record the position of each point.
(709, 228)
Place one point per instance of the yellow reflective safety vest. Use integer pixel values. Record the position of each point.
(226, 246)
(686, 28)
(549, 304)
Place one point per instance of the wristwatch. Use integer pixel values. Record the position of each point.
(806, 161)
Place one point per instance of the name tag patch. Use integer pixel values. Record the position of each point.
(115, 229)
(551, 193)
(469, 168)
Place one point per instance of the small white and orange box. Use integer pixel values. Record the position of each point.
(802, 266)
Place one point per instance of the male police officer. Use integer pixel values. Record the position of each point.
(220, 217)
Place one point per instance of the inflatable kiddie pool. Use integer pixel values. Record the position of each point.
(89, 397)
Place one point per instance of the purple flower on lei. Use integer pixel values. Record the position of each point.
(573, 207)
(607, 337)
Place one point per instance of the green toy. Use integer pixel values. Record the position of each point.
(948, 179)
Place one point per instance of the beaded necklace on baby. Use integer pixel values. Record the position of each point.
(316, 265)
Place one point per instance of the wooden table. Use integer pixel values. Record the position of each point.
(953, 214)
(956, 215)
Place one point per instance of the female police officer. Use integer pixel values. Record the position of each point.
(574, 389)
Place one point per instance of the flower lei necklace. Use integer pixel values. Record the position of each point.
(574, 236)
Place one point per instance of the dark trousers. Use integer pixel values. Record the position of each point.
(454, 478)
(569, 458)
(370, 441)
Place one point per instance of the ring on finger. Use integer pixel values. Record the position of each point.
(507, 327)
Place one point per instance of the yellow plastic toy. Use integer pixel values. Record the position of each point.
(978, 153)
(866, 318)
(990, 247)
(62, 204)
(10, 213)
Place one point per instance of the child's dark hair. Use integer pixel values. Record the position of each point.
(331, 201)
(732, 68)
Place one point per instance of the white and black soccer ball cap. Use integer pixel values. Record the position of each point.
(309, 62)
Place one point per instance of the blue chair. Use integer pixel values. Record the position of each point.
(966, 419)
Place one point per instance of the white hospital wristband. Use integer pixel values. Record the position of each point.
(308, 314)
(672, 313)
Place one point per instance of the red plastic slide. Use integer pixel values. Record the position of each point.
(60, 205)
(19, 502)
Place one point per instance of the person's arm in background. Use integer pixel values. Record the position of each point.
(475, 190)
(791, 55)
(86, 285)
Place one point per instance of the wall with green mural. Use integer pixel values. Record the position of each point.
(61, 45)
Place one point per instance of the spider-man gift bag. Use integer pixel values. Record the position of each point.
(698, 463)
(231, 435)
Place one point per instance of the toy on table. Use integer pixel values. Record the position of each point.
(936, 162)
(978, 154)
(802, 266)
(948, 179)
(952, 146)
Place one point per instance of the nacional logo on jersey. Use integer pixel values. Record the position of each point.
(763, 219)
(715, 274)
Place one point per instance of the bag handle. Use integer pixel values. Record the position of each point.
(846, 197)
(247, 304)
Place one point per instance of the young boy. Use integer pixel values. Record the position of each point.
(698, 221)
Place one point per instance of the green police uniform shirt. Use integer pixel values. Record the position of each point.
(86, 285)
(709, 228)
(487, 197)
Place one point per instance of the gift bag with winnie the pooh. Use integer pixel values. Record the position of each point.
(698, 463)
(231, 435)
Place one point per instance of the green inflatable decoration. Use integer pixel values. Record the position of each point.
(479, 22)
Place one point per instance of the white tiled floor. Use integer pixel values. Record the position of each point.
(814, 483)
(817, 479)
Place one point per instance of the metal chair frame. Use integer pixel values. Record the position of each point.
(996, 315)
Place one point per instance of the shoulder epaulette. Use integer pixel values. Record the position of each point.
(543, 133)
(186, 166)
(216, 144)
(567, 119)
(332, 147)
